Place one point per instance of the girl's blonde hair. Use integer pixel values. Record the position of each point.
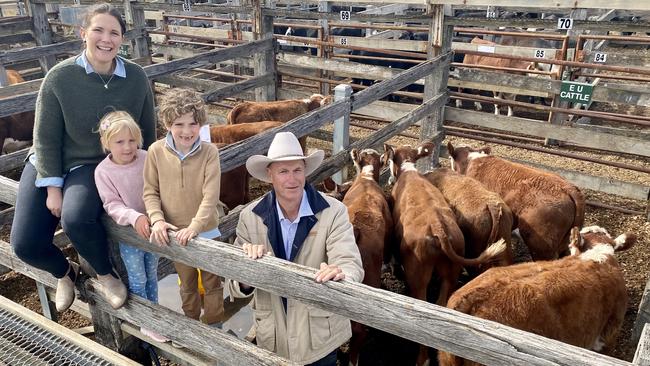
(113, 123)
(177, 102)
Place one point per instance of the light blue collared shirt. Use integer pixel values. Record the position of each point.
(82, 61)
(289, 227)
(169, 141)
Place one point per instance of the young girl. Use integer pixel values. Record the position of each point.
(119, 182)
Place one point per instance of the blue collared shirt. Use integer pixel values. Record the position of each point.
(289, 227)
(82, 61)
(169, 141)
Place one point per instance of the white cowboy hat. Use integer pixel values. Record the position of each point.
(284, 147)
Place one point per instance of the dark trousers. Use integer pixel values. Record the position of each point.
(34, 225)
(329, 360)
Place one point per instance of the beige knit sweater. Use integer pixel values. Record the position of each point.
(185, 193)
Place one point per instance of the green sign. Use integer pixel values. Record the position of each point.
(576, 92)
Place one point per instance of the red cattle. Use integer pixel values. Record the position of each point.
(430, 239)
(282, 110)
(580, 299)
(481, 215)
(372, 221)
(18, 126)
(234, 183)
(546, 206)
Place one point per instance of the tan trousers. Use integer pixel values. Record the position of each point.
(212, 300)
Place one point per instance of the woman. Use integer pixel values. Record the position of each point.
(57, 183)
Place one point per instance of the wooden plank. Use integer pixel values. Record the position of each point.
(220, 93)
(382, 44)
(643, 316)
(8, 190)
(590, 139)
(568, 4)
(42, 33)
(642, 354)
(236, 154)
(20, 88)
(214, 56)
(614, 58)
(522, 84)
(65, 333)
(341, 68)
(12, 161)
(21, 25)
(600, 184)
(456, 83)
(407, 77)
(211, 341)
(379, 18)
(547, 24)
(549, 53)
(206, 32)
(264, 62)
(21, 103)
(432, 325)
(40, 51)
(154, 15)
(16, 38)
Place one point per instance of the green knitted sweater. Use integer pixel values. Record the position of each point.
(68, 109)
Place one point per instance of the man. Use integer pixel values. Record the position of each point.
(296, 223)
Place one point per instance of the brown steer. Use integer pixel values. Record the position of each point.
(545, 205)
(430, 240)
(580, 299)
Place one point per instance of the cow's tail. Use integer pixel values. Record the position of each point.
(234, 113)
(490, 254)
(495, 213)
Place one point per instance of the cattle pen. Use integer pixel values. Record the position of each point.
(476, 339)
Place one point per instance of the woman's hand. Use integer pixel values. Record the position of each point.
(159, 232)
(184, 235)
(142, 227)
(54, 200)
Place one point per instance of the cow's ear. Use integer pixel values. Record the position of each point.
(486, 150)
(425, 149)
(450, 149)
(354, 154)
(624, 241)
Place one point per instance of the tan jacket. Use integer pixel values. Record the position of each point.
(304, 334)
(183, 193)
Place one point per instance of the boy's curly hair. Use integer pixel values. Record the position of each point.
(176, 102)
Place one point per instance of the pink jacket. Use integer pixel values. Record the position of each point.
(120, 188)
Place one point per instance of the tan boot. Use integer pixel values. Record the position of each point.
(113, 290)
(65, 289)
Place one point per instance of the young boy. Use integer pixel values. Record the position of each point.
(181, 191)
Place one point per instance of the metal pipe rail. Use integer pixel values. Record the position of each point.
(192, 36)
(515, 34)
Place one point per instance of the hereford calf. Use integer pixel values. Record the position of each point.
(19, 126)
(282, 110)
(580, 299)
(234, 183)
(481, 215)
(372, 222)
(545, 205)
(430, 239)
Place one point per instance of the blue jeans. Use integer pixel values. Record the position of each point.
(329, 360)
(34, 225)
(142, 270)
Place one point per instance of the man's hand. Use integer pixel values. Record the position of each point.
(254, 251)
(54, 200)
(184, 235)
(159, 232)
(142, 227)
(329, 272)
